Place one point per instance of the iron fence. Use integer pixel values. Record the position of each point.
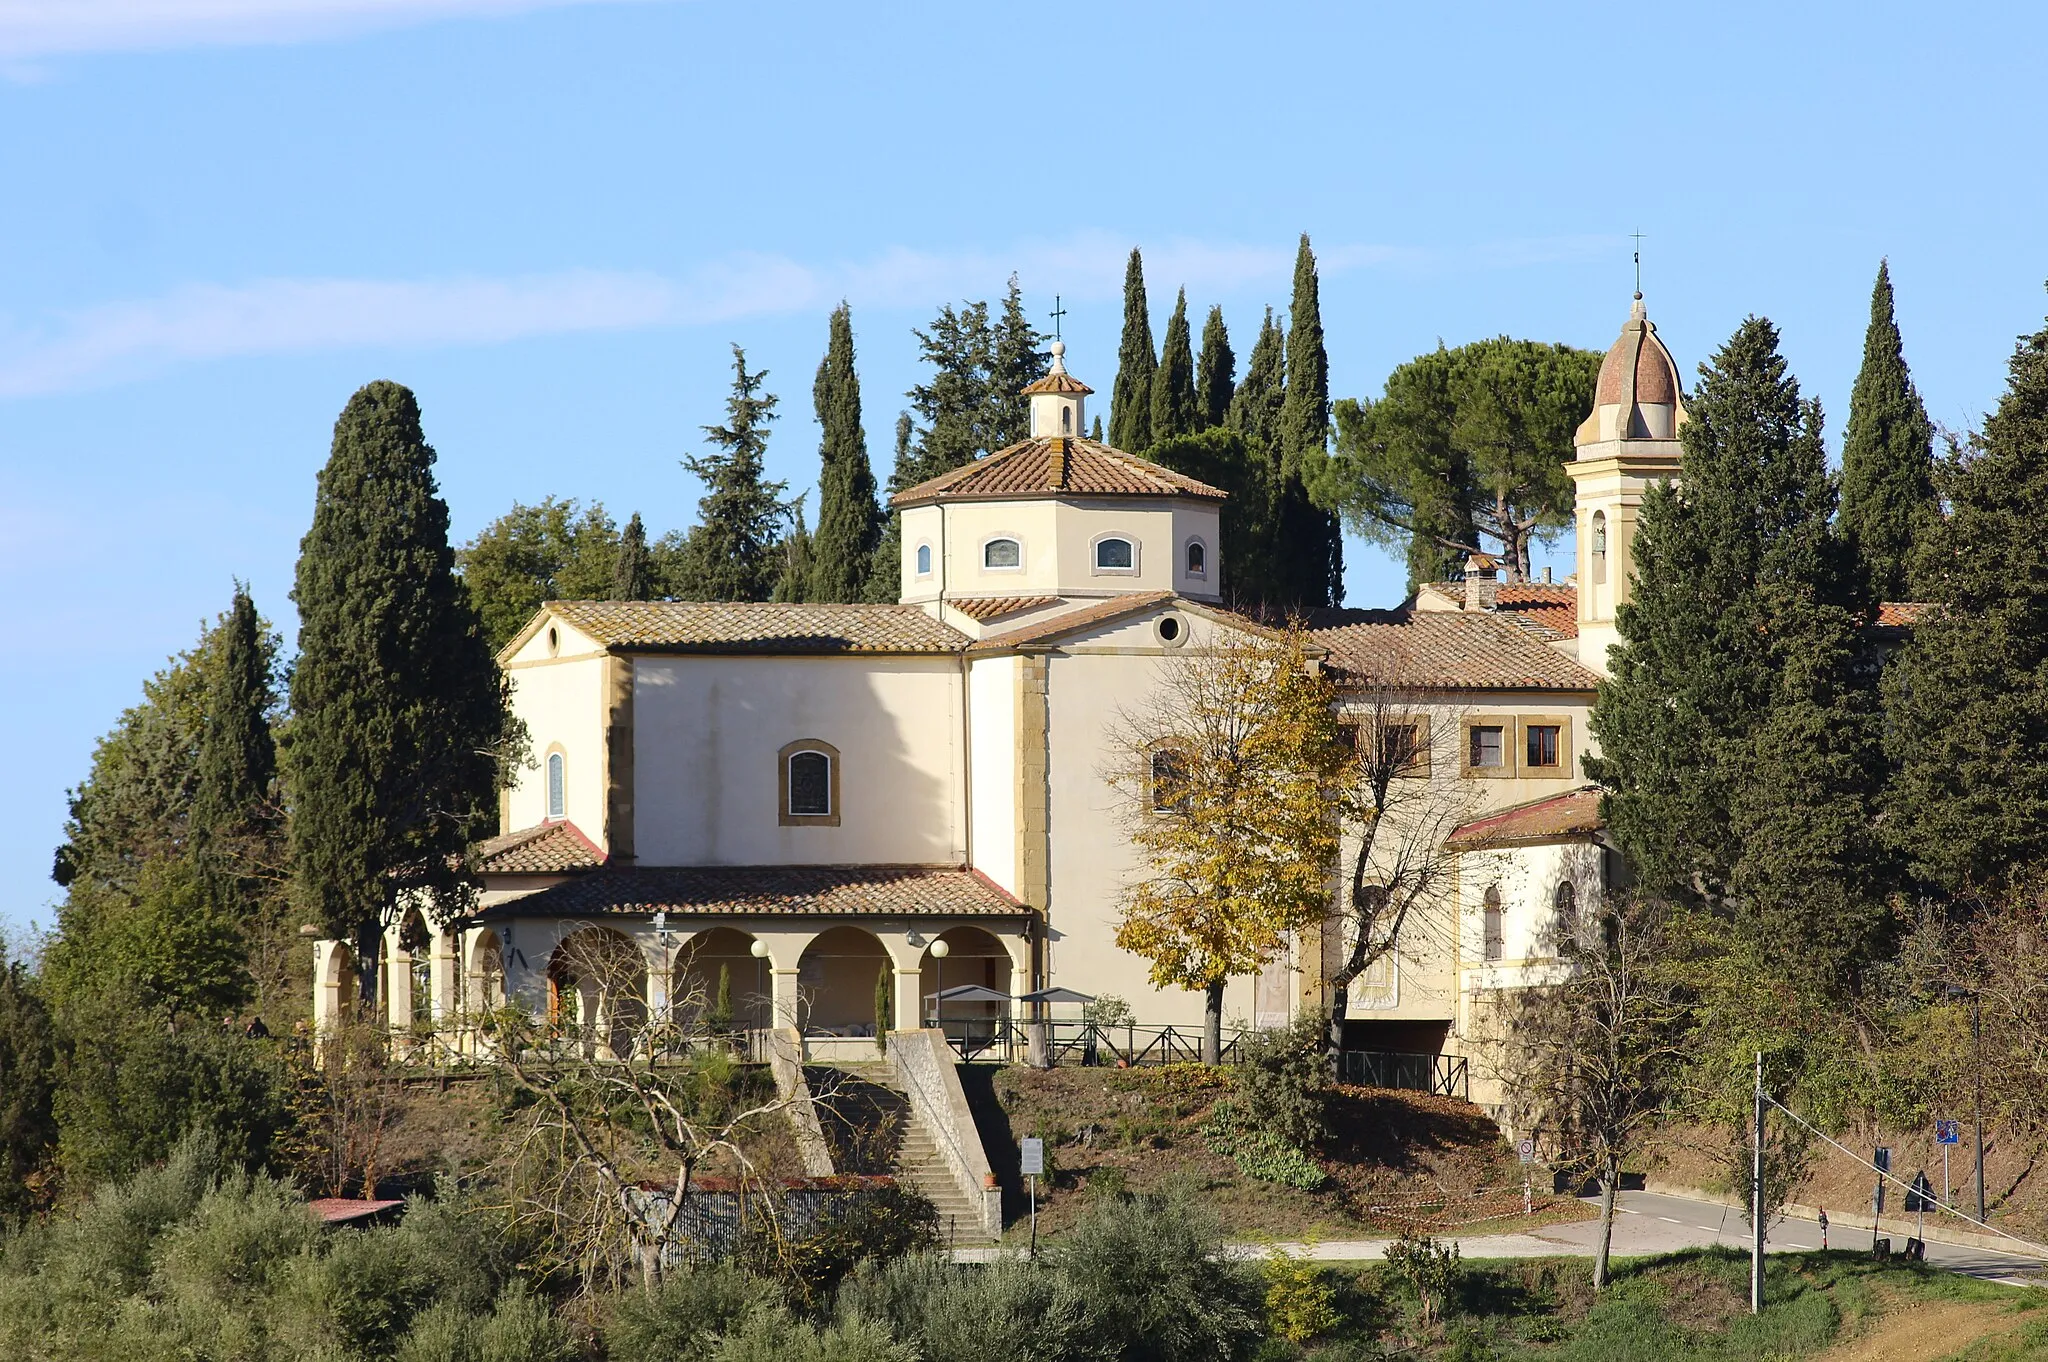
(1444, 1075)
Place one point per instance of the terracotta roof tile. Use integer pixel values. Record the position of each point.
(773, 890)
(1058, 381)
(985, 608)
(558, 848)
(1554, 607)
(726, 627)
(1571, 814)
(1115, 607)
(1037, 467)
(1449, 649)
(1902, 614)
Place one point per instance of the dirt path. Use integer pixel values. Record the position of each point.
(1915, 1332)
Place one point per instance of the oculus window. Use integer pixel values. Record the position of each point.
(1002, 553)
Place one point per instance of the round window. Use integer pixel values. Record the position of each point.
(1172, 630)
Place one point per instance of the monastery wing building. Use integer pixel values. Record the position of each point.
(798, 798)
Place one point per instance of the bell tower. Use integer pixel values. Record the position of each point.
(1059, 400)
(1628, 442)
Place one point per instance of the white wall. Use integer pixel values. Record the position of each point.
(562, 699)
(707, 734)
(1527, 877)
(992, 713)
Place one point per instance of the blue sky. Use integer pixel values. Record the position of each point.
(550, 219)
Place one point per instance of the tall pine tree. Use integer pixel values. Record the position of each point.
(232, 805)
(632, 566)
(1311, 540)
(1215, 371)
(1017, 358)
(1968, 695)
(1739, 727)
(842, 552)
(1176, 409)
(731, 554)
(953, 403)
(1130, 399)
(400, 719)
(1887, 455)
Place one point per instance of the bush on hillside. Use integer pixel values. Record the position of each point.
(1152, 1285)
(1011, 1310)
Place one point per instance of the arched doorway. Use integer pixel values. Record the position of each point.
(597, 986)
(840, 977)
(415, 956)
(338, 992)
(720, 984)
(973, 958)
(485, 974)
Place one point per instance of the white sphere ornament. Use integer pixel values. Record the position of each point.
(759, 950)
(940, 950)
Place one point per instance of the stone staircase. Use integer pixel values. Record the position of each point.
(873, 1128)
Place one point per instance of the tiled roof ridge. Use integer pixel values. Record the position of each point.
(1067, 450)
(985, 608)
(1108, 609)
(1444, 650)
(713, 626)
(1474, 832)
(907, 889)
(508, 847)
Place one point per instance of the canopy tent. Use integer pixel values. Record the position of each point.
(1056, 995)
(968, 993)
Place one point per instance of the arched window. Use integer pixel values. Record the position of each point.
(1565, 905)
(1002, 553)
(924, 560)
(809, 781)
(1495, 924)
(1066, 420)
(1599, 546)
(1198, 558)
(558, 786)
(1169, 781)
(1115, 554)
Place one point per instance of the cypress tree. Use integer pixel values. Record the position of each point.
(1176, 408)
(632, 568)
(842, 552)
(28, 1067)
(1312, 540)
(1215, 372)
(1887, 455)
(1968, 694)
(237, 758)
(1130, 399)
(1255, 415)
(793, 579)
(1739, 729)
(400, 718)
(1017, 359)
(885, 578)
(731, 553)
(1095, 428)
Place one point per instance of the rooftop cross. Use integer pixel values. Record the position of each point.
(1638, 236)
(1057, 313)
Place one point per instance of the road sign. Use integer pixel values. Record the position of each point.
(1034, 1158)
(1883, 1160)
(1525, 1150)
(1948, 1132)
(1920, 1196)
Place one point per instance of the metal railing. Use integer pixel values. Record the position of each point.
(1444, 1075)
(1082, 1042)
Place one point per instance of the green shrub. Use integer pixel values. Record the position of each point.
(675, 1318)
(1432, 1271)
(1152, 1286)
(779, 1337)
(1301, 1305)
(1011, 1310)
(1259, 1152)
(1281, 1081)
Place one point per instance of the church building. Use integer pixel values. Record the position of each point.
(801, 797)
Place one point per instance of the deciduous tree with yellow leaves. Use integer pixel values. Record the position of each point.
(1228, 772)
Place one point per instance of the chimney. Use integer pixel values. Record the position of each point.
(1059, 461)
(1546, 576)
(1482, 582)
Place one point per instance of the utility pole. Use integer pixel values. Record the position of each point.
(1977, 1039)
(1756, 1197)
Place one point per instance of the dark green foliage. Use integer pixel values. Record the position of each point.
(1281, 1080)
(1464, 447)
(1739, 726)
(1888, 501)
(1017, 359)
(1968, 695)
(1309, 542)
(793, 580)
(1215, 372)
(730, 554)
(1255, 415)
(232, 804)
(28, 1060)
(1222, 457)
(885, 578)
(1095, 428)
(849, 520)
(953, 404)
(881, 1223)
(632, 566)
(1176, 406)
(166, 943)
(400, 718)
(555, 551)
(1130, 401)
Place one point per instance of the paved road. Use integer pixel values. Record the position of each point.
(1651, 1222)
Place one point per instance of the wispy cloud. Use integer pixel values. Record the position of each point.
(94, 346)
(46, 28)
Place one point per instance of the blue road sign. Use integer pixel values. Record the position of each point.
(1948, 1132)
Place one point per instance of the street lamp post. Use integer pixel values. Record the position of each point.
(759, 950)
(1977, 1041)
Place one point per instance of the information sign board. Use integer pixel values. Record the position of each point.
(1034, 1158)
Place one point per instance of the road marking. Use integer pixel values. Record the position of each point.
(1669, 1221)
